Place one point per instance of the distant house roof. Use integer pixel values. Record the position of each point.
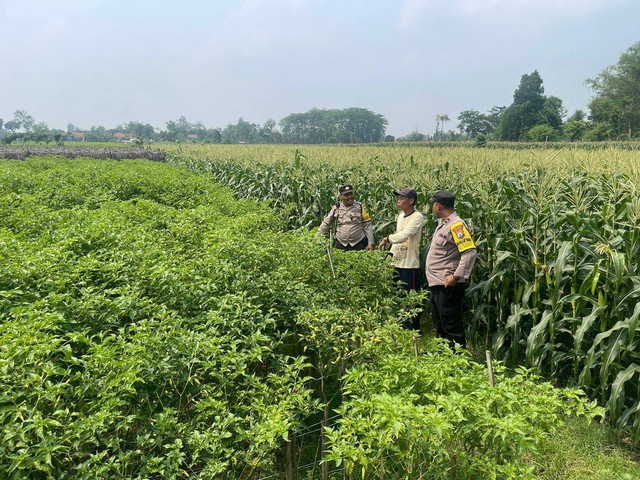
(120, 135)
(77, 135)
(192, 136)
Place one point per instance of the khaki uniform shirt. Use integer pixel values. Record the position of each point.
(352, 224)
(405, 243)
(452, 252)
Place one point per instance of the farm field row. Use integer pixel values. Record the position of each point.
(153, 326)
(556, 283)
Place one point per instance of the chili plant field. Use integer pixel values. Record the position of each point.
(153, 326)
(556, 283)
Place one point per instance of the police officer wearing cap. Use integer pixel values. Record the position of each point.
(450, 259)
(353, 222)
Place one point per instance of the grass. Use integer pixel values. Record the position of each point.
(584, 451)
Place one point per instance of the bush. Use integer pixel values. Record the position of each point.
(437, 416)
(542, 133)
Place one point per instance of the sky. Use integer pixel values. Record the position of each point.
(94, 62)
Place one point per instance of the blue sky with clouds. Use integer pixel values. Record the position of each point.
(108, 62)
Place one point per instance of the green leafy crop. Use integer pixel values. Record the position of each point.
(154, 326)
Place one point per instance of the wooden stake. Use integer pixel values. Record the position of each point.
(323, 441)
(490, 368)
(289, 472)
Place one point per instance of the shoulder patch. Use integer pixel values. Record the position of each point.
(365, 213)
(461, 237)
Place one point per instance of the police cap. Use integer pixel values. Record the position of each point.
(345, 189)
(407, 192)
(444, 198)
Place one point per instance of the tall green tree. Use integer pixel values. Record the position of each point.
(553, 112)
(139, 129)
(268, 132)
(525, 111)
(25, 120)
(616, 104)
(12, 125)
(441, 119)
(96, 134)
(493, 116)
(577, 116)
(178, 130)
(40, 128)
(575, 130)
(472, 123)
(241, 132)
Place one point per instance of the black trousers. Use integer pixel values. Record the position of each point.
(410, 280)
(361, 245)
(446, 313)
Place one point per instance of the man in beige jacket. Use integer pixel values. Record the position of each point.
(405, 245)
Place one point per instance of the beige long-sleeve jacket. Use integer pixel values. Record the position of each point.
(405, 243)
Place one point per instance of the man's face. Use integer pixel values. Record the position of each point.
(404, 202)
(347, 198)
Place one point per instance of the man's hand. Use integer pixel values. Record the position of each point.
(383, 242)
(370, 247)
(451, 281)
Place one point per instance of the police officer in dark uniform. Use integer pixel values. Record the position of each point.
(353, 222)
(450, 259)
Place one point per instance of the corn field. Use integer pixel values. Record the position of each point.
(556, 283)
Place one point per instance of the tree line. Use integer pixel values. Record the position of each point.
(614, 110)
(614, 114)
(350, 125)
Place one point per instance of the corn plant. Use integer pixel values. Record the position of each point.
(556, 280)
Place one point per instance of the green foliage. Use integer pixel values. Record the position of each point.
(526, 109)
(553, 112)
(481, 140)
(436, 415)
(474, 123)
(153, 326)
(556, 280)
(575, 130)
(416, 137)
(582, 450)
(530, 109)
(542, 133)
(616, 103)
(577, 116)
(146, 323)
(350, 125)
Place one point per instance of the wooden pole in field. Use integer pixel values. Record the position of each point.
(323, 440)
(490, 368)
(289, 461)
